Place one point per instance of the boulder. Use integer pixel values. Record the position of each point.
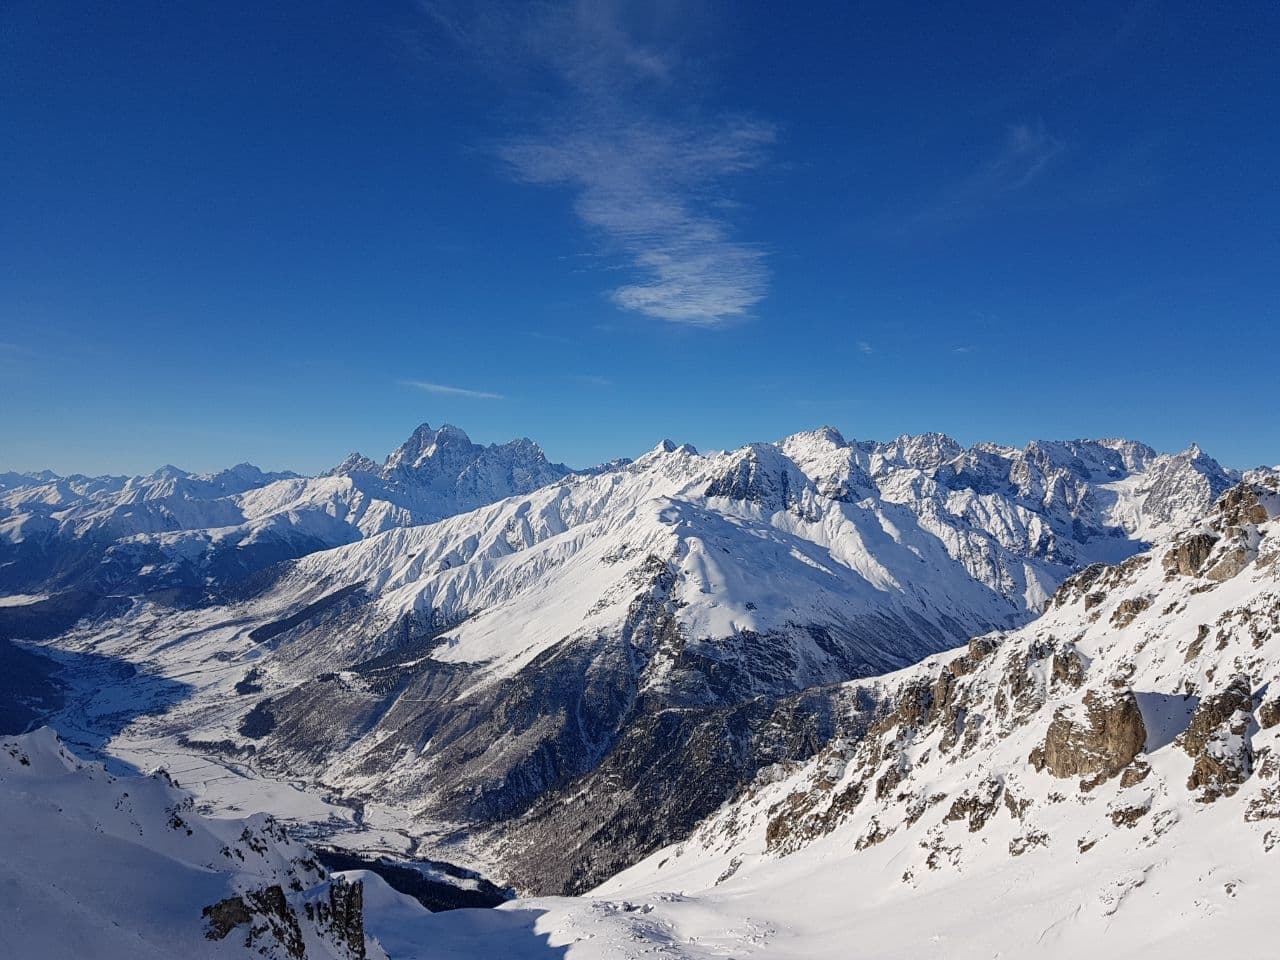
(1099, 744)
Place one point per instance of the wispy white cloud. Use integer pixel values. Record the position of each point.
(651, 187)
(448, 391)
(865, 347)
(648, 189)
(593, 380)
(1023, 157)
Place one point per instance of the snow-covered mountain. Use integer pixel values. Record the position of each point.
(116, 867)
(175, 529)
(1103, 781)
(578, 675)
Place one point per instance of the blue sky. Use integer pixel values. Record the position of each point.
(279, 232)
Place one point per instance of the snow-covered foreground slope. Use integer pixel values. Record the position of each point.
(1104, 781)
(122, 868)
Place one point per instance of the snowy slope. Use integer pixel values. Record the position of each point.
(105, 866)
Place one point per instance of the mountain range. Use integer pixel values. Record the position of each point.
(1099, 776)
(554, 673)
(173, 529)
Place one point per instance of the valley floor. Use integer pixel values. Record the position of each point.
(130, 694)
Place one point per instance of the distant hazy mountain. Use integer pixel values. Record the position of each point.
(175, 529)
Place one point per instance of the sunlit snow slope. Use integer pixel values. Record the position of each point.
(122, 868)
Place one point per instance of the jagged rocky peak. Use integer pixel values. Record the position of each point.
(168, 472)
(426, 443)
(1133, 454)
(448, 451)
(1177, 486)
(11, 480)
(667, 445)
(759, 473)
(665, 449)
(924, 451)
(824, 437)
(354, 462)
(838, 468)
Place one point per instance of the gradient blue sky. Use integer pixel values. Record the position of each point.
(279, 232)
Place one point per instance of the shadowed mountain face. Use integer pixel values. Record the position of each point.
(28, 690)
(579, 674)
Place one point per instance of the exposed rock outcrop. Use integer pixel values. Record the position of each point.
(1217, 739)
(1128, 609)
(1098, 745)
(1232, 556)
(1189, 554)
(270, 924)
(1241, 505)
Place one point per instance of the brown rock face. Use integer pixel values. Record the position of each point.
(270, 923)
(343, 915)
(1269, 714)
(1069, 666)
(224, 916)
(1078, 584)
(977, 805)
(1231, 561)
(1240, 505)
(1188, 555)
(1214, 711)
(275, 920)
(1110, 736)
(1218, 740)
(1127, 609)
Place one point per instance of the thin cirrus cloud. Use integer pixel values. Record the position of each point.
(646, 190)
(443, 389)
(651, 188)
(1026, 153)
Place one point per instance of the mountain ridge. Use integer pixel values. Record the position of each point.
(580, 639)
